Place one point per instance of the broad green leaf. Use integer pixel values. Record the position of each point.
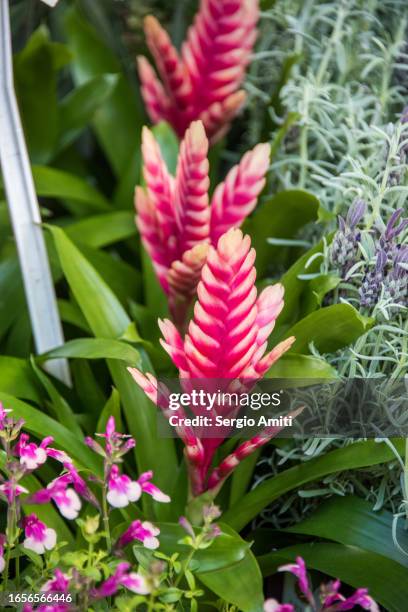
(123, 279)
(239, 583)
(318, 288)
(111, 408)
(357, 455)
(103, 230)
(280, 217)
(42, 425)
(227, 567)
(17, 378)
(107, 319)
(330, 328)
(78, 108)
(118, 122)
(242, 476)
(301, 366)
(352, 521)
(168, 143)
(12, 301)
(36, 85)
(295, 289)
(385, 579)
(227, 549)
(53, 183)
(70, 313)
(102, 311)
(60, 407)
(155, 298)
(95, 348)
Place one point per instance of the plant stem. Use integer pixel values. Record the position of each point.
(105, 514)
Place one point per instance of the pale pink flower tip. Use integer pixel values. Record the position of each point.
(204, 81)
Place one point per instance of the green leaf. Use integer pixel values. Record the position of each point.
(95, 348)
(295, 289)
(12, 301)
(329, 329)
(123, 279)
(53, 183)
(118, 122)
(78, 108)
(107, 319)
(357, 455)
(227, 567)
(280, 217)
(168, 143)
(42, 425)
(385, 579)
(301, 366)
(111, 408)
(318, 288)
(226, 549)
(351, 521)
(103, 230)
(36, 85)
(102, 311)
(17, 378)
(239, 583)
(61, 409)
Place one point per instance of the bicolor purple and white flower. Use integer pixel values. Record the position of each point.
(11, 490)
(38, 537)
(65, 497)
(148, 487)
(144, 532)
(58, 584)
(31, 455)
(121, 489)
(122, 577)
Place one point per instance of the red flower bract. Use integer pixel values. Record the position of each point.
(226, 339)
(204, 81)
(174, 216)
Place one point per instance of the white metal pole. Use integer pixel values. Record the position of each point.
(25, 212)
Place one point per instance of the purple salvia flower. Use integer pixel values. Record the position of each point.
(58, 584)
(187, 526)
(31, 455)
(3, 416)
(151, 489)
(271, 605)
(144, 532)
(65, 497)
(298, 569)
(38, 537)
(121, 577)
(121, 489)
(11, 490)
(359, 598)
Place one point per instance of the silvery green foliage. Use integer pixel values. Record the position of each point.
(350, 90)
(348, 147)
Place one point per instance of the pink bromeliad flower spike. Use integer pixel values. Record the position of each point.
(226, 339)
(176, 221)
(204, 81)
